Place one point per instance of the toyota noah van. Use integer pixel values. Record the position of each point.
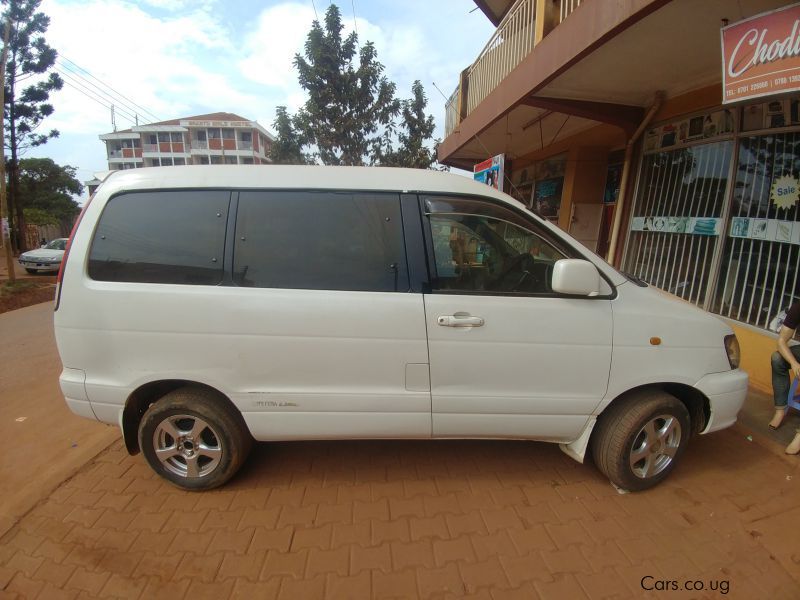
(203, 308)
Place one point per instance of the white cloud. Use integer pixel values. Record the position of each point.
(151, 61)
(183, 57)
(269, 49)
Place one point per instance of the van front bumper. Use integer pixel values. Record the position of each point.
(726, 393)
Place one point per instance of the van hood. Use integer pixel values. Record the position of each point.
(664, 307)
(644, 313)
(42, 253)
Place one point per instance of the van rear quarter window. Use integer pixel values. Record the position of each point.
(320, 240)
(161, 237)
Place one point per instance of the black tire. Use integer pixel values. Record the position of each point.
(31, 271)
(212, 439)
(621, 430)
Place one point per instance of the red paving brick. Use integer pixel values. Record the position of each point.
(461, 519)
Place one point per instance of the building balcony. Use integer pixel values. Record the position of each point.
(556, 68)
(512, 41)
(125, 153)
(164, 148)
(119, 158)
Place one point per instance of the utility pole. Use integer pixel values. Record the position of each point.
(12, 276)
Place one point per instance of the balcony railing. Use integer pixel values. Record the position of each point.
(512, 41)
(567, 6)
(451, 112)
(199, 144)
(150, 147)
(245, 145)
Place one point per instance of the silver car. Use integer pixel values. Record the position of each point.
(44, 259)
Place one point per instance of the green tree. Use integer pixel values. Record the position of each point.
(416, 130)
(46, 192)
(350, 100)
(26, 106)
(287, 149)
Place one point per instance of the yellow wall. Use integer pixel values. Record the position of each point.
(757, 347)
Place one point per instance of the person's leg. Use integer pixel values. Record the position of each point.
(794, 445)
(780, 385)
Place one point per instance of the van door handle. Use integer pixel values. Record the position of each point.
(459, 320)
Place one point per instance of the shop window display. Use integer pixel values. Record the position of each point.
(761, 257)
(676, 221)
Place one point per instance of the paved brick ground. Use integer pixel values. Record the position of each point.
(480, 519)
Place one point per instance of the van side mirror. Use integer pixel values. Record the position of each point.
(576, 277)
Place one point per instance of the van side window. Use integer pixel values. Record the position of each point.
(320, 241)
(161, 237)
(479, 249)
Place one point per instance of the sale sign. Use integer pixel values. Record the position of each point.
(761, 55)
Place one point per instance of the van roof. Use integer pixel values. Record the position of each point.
(297, 177)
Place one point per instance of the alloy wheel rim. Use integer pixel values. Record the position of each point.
(187, 446)
(654, 446)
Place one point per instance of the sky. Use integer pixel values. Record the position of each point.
(178, 58)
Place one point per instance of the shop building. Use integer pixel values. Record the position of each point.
(613, 121)
(216, 139)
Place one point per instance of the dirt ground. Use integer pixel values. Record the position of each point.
(25, 293)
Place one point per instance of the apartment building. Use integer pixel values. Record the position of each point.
(217, 139)
(663, 134)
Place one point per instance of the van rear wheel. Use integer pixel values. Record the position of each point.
(191, 438)
(638, 440)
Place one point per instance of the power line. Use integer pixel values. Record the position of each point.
(141, 110)
(75, 83)
(355, 26)
(123, 111)
(314, 6)
(100, 102)
(89, 85)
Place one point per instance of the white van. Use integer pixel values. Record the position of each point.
(203, 308)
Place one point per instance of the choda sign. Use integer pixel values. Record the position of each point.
(761, 55)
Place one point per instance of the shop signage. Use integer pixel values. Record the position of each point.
(761, 55)
(490, 171)
(216, 123)
(770, 230)
(784, 192)
(665, 224)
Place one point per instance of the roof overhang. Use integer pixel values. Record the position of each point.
(159, 128)
(495, 10)
(604, 64)
(121, 135)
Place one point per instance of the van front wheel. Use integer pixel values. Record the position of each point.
(190, 438)
(639, 439)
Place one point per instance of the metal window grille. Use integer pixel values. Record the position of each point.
(758, 277)
(679, 191)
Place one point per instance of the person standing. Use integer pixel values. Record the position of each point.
(785, 361)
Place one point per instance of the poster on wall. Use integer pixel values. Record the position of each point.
(771, 230)
(667, 224)
(613, 179)
(547, 197)
(761, 55)
(490, 172)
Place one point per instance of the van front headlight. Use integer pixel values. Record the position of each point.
(732, 349)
